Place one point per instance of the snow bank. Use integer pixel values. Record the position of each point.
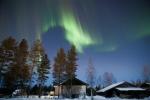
(53, 98)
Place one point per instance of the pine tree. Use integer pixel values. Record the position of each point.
(71, 67)
(21, 62)
(35, 60)
(18, 74)
(7, 57)
(43, 71)
(59, 68)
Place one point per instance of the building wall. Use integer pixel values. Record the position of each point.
(76, 89)
(56, 90)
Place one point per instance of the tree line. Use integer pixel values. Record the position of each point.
(21, 66)
(18, 63)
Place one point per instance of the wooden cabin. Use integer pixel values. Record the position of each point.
(123, 90)
(71, 88)
(146, 86)
(131, 92)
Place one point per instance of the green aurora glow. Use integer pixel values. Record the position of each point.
(74, 32)
(103, 33)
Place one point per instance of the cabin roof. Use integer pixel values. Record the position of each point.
(75, 81)
(112, 86)
(130, 89)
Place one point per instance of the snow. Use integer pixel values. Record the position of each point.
(16, 92)
(51, 98)
(110, 86)
(130, 89)
(148, 83)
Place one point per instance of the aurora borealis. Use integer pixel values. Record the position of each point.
(114, 33)
(73, 28)
(46, 18)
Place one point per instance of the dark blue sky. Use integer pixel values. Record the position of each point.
(114, 33)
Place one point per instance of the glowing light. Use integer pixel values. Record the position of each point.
(49, 24)
(64, 16)
(75, 34)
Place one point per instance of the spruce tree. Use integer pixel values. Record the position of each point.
(59, 68)
(71, 67)
(21, 62)
(7, 58)
(35, 59)
(43, 71)
(36, 53)
(18, 73)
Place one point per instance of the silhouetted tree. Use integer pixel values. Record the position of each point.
(18, 74)
(7, 58)
(34, 90)
(35, 60)
(43, 71)
(137, 83)
(11, 77)
(146, 73)
(71, 66)
(98, 83)
(91, 76)
(59, 68)
(21, 62)
(108, 79)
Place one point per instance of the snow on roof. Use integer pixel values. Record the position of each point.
(148, 83)
(111, 86)
(130, 89)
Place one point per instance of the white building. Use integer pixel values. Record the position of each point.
(73, 88)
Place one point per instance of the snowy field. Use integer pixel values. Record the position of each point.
(52, 98)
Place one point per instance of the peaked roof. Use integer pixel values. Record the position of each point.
(75, 81)
(111, 86)
(115, 85)
(130, 89)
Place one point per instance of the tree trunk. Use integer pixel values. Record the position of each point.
(39, 90)
(30, 80)
(28, 91)
(92, 94)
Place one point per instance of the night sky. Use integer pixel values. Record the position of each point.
(114, 33)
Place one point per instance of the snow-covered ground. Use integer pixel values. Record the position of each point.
(52, 98)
